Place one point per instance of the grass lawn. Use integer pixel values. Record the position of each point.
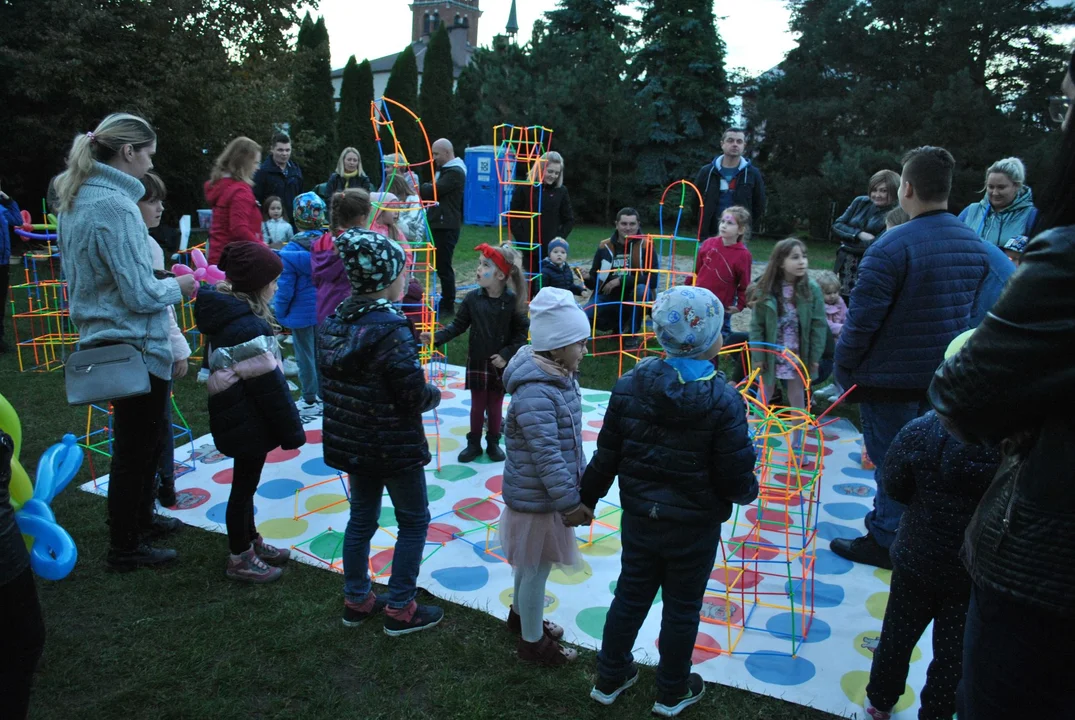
(184, 642)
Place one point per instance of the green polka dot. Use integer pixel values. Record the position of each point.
(328, 546)
(388, 517)
(327, 504)
(447, 444)
(282, 528)
(883, 575)
(597, 397)
(454, 473)
(588, 408)
(876, 604)
(592, 621)
(612, 589)
(434, 492)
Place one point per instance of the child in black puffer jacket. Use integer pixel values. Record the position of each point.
(555, 272)
(250, 408)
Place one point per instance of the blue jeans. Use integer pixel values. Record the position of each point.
(408, 493)
(881, 422)
(304, 340)
(677, 559)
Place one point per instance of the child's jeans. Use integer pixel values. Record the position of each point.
(677, 559)
(304, 341)
(411, 505)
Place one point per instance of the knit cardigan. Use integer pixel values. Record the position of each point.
(113, 295)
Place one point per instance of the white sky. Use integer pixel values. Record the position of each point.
(756, 32)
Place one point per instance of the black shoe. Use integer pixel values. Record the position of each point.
(606, 691)
(166, 493)
(353, 617)
(160, 526)
(424, 617)
(473, 450)
(140, 557)
(669, 705)
(864, 550)
(492, 448)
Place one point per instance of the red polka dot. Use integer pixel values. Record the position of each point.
(830, 436)
(772, 519)
(782, 498)
(446, 395)
(596, 424)
(495, 484)
(457, 386)
(190, 498)
(811, 449)
(223, 477)
(742, 580)
(589, 436)
(719, 609)
(441, 533)
(380, 561)
(313, 437)
(280, 455)
(705, 648)
(752, 549)
(477, 509)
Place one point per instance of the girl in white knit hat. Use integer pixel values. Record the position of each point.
(544, 464)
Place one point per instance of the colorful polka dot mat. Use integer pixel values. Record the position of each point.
(302, 503)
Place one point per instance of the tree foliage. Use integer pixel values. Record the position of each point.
(403, 88)
(436, 101)
(314, 129)
(353, 127)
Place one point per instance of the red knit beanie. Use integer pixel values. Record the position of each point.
(249, 266)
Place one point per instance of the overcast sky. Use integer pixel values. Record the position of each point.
(756, 31)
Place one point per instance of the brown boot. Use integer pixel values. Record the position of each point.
(515, 625)
(545, 652)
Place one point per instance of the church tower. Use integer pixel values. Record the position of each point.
(431, 14)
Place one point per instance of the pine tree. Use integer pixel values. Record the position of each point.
(436, 100)
(403, 88)
(315, 124)
(353, 128)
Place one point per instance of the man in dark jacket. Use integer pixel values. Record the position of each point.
(676, 435)
(730, 180)
(917, 288)
(446, 217)
(615, 278)
(279, 175)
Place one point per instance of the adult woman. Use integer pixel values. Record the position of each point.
(1011, 384)
(550, 200)
(115, 298)
(348, 174)
(860, 225)
(229, 190)
(1007, 210)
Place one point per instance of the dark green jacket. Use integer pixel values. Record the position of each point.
(764, 327)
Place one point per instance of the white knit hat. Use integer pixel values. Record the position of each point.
(556, 320)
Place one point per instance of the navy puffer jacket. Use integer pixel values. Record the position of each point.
(375, 392)
(918, 286)
(680, 448)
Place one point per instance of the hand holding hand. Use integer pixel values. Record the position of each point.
(425, 338)
(581, 515)
(179, 369)
(187, 283)
(498, 362)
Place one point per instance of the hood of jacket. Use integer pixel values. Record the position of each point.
(1023, 201)
(455, 163)
(743, 162)
(223, 189)
(215, 310)
(525, 367)
(305, 239)
(661, 390)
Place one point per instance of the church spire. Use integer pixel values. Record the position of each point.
(512, 27)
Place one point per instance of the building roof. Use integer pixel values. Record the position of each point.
(419, 48)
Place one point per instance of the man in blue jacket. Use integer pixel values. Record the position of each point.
(730, 180)
(919, 286)
(279, 175)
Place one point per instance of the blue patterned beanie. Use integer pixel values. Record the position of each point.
(687, 320)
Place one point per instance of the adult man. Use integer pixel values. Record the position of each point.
(446, 217)
(730, 180)
(614, 278)
(279, 175)
(918, 287)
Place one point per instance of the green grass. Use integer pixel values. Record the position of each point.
(184, 642)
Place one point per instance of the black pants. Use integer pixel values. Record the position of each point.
(239, 515)
(912, 604)
(444, 242)
(137, 442)
(24, 637)
(5, 272)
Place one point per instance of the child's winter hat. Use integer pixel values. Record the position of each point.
(556, 320)
(1016, 244)
(309, 211)
(371, 260)
(559, 243)
(687, 320)
(249, 266)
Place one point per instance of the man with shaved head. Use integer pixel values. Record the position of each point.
(446, 218)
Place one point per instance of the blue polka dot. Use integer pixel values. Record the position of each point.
(830, 531)
(854, 490)
(493, 546)
(781, 626)
(462, 579)
(216, 513)
(453, 412)
(779, 669)
(855, 457)
(317, 468)
(279, 489)
(829, 563)
(846, 510)
(857, 472)
(825, 595)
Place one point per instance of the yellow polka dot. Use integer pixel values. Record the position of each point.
(876, 604)
(327, 504)
(282, 528)
(559, 577)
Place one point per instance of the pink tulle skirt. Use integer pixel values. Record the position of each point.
(531, 539)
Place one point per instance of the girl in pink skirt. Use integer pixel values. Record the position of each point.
(543, 468)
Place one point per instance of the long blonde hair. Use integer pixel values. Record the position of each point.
(101, 145)
(258, 305)
(537, 170)
(339, 163)
(515, 279)
(236, 160)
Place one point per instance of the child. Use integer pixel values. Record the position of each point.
(895, 217)
(496, 316)
(375, 394)
(790, 313)
(1014, 248)
(541, 475)
(276, 230)
(412, 219)
(676, 435)
(941, 480)
(555, 272)
(296, 298)
(152, 206)
(724, 262)
(350, 208)
(386, 222)
(835, 316)
(250, 408)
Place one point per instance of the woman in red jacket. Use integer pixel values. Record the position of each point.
(236, 215)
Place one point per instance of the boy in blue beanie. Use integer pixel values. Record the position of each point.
(555, 272)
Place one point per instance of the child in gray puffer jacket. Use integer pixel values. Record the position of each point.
(544, 464)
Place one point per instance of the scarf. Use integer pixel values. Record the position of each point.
(353, 308)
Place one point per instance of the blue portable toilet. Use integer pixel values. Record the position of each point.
(480, 206)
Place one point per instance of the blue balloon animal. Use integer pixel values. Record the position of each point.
(53, 552)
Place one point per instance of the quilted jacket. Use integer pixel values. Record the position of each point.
(917, 288)
(559, 276)
(543, 434)
(375, 392)
(296, 296)
(236, 215)
(675, 433)
(329, 276)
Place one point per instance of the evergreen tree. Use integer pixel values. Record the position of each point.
(436, 100)
(403, 88)
(314, 131)
(353, 128)
(682, 89)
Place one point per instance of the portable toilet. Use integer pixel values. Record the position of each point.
(480, 203)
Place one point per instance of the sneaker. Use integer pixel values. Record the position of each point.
(269, 554)
(292, 387)
(248, 567)
(873, 713)
(546, 652)
(203, 375)
(606, 691)
(309, 408)
(291, 368)
(411, 619)
(166, 493)
(669, 705)
(140, 557)
(354, 615)
(160, 526)
(864, 550)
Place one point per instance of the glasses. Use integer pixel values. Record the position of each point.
(1058, 108)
